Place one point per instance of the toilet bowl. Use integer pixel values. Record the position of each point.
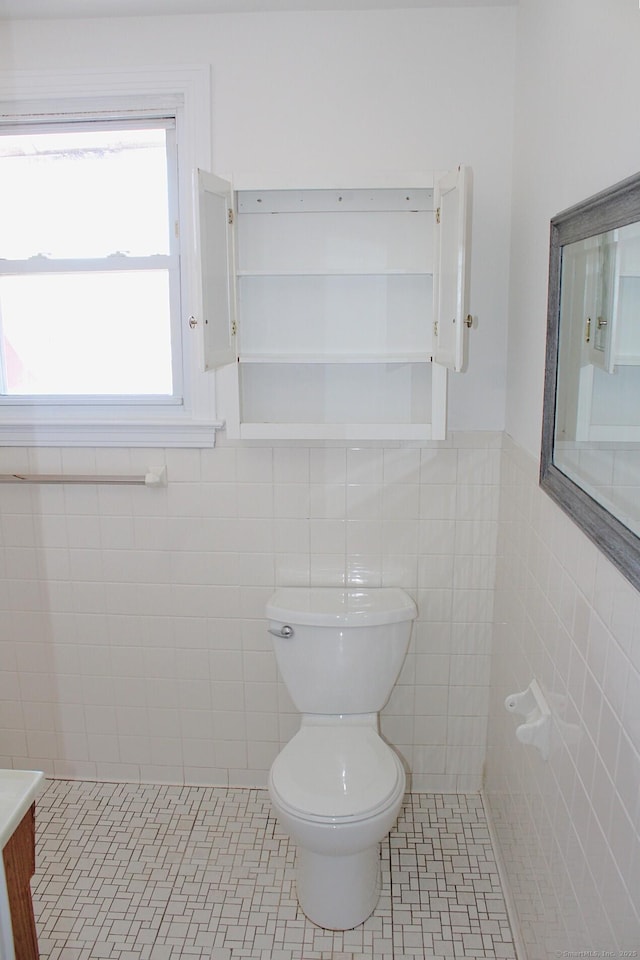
(337, 786)
(337, 790)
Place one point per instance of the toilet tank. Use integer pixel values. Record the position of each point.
(340, 650)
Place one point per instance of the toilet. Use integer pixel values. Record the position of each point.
(337, 787)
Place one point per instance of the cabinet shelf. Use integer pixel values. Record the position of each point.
(331, 358)
(341, 316)
(323, 201)
(373, 272)
(335, 431)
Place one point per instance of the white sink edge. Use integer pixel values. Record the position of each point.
(18, 790)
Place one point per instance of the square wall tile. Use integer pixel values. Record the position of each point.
(153, 601)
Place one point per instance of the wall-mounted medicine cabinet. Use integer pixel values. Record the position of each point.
(334, 313)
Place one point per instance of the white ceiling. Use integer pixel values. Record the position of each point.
(60, 9)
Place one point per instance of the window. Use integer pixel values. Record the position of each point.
(89, 260)
(98, 263)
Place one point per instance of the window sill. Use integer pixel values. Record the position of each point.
(76, 434)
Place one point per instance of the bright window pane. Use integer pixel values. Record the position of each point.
(84, 193)
(86, 333)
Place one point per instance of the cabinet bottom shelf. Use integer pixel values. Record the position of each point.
(337, 431)
(337, 397)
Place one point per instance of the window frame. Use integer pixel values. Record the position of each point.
(105, 421)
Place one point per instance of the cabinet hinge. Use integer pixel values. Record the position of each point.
(229, 215)
(234, 328)
(435, 328)
(438, 215)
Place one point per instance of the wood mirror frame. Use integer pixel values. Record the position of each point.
(613, 208)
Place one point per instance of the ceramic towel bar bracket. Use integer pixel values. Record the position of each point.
(153, 478)
(533, 707)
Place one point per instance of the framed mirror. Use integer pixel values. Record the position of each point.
(590, 462)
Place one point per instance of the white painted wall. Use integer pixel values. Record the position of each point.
(577, 78)
(567, 829)
(355, 94)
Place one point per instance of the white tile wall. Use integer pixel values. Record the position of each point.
(131, 619)
(568, 829)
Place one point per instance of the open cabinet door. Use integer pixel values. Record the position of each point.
(452, 199)
(603, 286)
(217, 289)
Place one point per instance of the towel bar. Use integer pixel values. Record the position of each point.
(154, 478)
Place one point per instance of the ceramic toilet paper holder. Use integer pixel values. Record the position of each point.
(532, 705)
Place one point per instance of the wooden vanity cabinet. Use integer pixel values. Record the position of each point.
(19, 855)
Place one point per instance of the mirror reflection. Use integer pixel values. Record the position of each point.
(597, 417)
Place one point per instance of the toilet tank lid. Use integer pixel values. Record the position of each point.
(332, 606)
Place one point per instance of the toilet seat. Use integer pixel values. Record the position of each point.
(340, 774)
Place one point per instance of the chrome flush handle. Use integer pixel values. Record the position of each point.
(285, 631)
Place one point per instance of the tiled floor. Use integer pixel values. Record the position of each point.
(139, 872)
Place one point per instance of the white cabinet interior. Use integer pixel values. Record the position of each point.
(335, 323)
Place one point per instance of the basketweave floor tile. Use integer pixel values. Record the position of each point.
(144, 872)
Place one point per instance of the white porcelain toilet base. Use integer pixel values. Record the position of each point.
(337, 786)
(337, 789)
(338, 893)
